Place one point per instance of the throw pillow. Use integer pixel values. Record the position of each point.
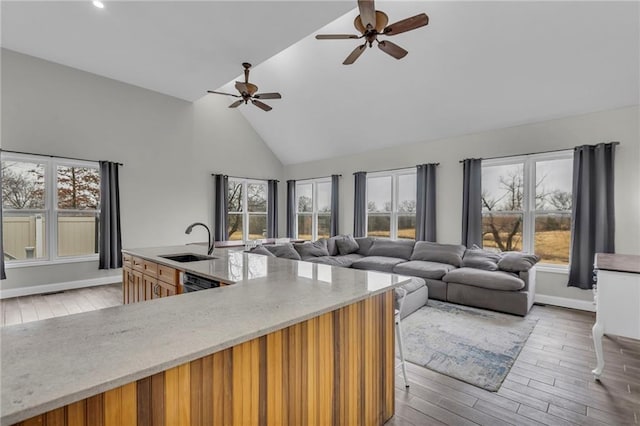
(285, 251)
(478, 258)
(435, 252)
(517, 262)
(313, 249)
(347, 245)
(400, 248)
(332, 247)
(261, 250)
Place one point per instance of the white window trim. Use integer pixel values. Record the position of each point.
(314, 205)
(395, 189)
(50, 211)
(245, 203)
(529, 174)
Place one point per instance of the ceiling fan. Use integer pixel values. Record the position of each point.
(248, 92)
(371, 23)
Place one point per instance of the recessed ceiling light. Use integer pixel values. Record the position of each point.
(98, 4)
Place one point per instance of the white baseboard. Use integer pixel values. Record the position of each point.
(565, 302)
(51, 288)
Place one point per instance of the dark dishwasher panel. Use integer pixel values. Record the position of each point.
(191, 282)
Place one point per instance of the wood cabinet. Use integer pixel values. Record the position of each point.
(144, 280)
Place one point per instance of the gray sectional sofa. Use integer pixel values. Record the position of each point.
(502, 282)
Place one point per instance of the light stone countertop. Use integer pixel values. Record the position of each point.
(51, 363)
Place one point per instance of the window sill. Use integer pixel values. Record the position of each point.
(563, 270)
(50, 262)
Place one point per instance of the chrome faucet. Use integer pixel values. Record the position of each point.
(190, 228)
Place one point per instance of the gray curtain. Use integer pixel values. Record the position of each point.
(291, 208)
(110, 256)
(360, 204)
(472, 202)
(426, 202)
(272, 208)
(593, 216)
(221, 207)
(335, 205)
(2, 273)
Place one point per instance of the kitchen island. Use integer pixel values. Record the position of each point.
(286, 342)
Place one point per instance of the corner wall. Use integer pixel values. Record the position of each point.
(616, 125)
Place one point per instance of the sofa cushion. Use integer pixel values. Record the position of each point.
(517, 262)
(377, 263)
(494, 280)
(332, 247)
(364, 244)
(285, 251)
(261, 250)
(347, 245)
(312, 249)
(344, 261)
(391, 248)
(480, 259)
(435, 252)
(423, 269)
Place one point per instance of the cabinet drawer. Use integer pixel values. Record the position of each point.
(138, 264)
(126, 261)
(150, 268)
(168, 275)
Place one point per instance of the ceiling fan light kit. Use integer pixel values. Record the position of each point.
(248, 92)
(372, 23)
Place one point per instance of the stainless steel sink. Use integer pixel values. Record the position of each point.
(187, 257)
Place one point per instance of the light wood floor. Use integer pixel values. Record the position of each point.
(550, 383)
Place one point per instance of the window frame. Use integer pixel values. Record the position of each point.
(395, 191)
(314, 204)
(530, 210)
(245, 204)
(50, 211)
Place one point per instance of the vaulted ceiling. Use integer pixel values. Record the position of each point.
(476, 66)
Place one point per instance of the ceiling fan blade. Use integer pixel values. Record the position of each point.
(242, 87)
(222, 93)
(267, 96)
(335, 36)
(392, 49)
(236, 104)
(407, 24)
(367, 13)
(261, 105)
(355, 54)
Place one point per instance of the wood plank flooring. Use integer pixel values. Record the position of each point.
(549, 384)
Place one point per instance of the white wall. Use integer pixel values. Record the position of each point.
(616, 125)
(169, 148)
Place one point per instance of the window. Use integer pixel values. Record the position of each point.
(391, 204)
(526, 205)
(313, 209)
(247, 209)
(50, 209)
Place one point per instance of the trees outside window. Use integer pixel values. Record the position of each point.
(313, 209)
(247, 209)
(50, 208)
(526, 205)
(391, 204)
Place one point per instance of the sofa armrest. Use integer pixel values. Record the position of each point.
(529, 278)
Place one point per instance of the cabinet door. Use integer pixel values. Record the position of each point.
(150, 284)
(137, 287)
(167, 289)
(125, 285)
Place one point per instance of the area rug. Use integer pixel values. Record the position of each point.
(473, 345)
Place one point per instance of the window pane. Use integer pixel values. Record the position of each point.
(324, 225)
(257, 226)
(257, 197)
(77, 234)
(234, 226)
(304, 226)
(78, 187)
(553, 184)
(22, 185)
(24, 236)
(502, 231)
(406, 194)
(379, 225)
(304, 194)
(324, 197)
(553, 237)
(407, 226)
(234, 195)
(379, 194)
(502, 187)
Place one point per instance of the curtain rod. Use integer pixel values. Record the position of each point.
(530, 153)
(393, 170)
(312, 178)
(52, 156)
(242, 177)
